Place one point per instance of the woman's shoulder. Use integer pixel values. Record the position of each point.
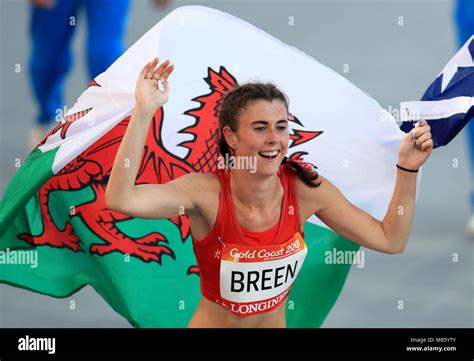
(208, 182)
(310, 197)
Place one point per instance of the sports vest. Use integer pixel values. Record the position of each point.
(245, 271)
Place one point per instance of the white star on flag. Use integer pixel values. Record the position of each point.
(462, 59)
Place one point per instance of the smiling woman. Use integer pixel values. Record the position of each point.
(252, 97)
(247, 224)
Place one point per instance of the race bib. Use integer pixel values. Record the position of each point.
(254, 279)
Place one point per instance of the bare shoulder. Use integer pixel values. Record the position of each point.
(196, 181)
(311, 199)
(202, 181)
(202, 186)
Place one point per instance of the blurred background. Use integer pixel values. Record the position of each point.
(391, 49)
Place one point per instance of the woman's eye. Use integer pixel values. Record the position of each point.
(259, 129)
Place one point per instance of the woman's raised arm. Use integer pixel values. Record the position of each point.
(150, 200)
(392, 233)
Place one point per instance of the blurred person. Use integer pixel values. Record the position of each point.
(51, 29)
(464, 17)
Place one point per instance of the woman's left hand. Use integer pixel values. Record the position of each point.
(414, 153)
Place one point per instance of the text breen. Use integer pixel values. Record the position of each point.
(266, 279)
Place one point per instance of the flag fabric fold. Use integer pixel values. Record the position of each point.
(448, 103)
(145, 269)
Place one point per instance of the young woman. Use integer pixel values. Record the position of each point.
(247, 225)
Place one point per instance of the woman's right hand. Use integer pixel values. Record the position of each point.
(147, 90)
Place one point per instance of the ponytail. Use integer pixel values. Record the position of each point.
(304, 170)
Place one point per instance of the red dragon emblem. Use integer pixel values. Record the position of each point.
(92, 169)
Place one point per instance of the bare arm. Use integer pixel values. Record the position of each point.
(412, 154)
(148, 200)
(348, 220)
(387, 236)
(121, 184)
(390, 235)
(398, 220)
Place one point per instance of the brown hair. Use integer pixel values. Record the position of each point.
(236, 100)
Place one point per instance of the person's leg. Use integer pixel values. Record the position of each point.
(470, 141)
(465, 29)
(464, 32)
(106, 22)
(50, 57)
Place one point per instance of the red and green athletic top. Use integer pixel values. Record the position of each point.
(245, 271)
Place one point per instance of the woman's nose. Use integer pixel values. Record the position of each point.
(272, 135)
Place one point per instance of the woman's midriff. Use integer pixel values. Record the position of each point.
(209, 314)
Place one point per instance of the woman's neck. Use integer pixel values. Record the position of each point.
(253, 191)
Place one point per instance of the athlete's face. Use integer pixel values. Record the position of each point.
(262, 133)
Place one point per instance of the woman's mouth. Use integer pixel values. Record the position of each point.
(269, 155)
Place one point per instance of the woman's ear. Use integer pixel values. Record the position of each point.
(230, 138)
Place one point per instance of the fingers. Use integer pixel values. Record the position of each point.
(420, 142)
(422, 124)
(144, 70)
(427, 145)
(418, 131)
(167, 72)
(148, 68)
(163, 71)
(421, 136)
(151, 68)
(160, 69)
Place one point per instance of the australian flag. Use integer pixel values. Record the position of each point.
(448, 103)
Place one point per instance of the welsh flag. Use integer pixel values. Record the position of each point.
(54, 210)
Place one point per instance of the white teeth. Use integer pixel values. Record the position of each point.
(269, 154)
